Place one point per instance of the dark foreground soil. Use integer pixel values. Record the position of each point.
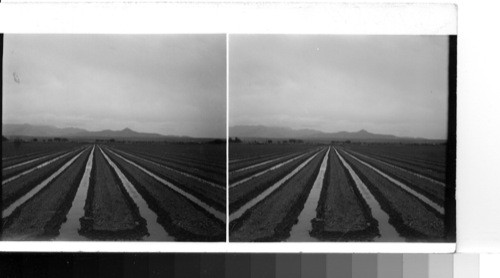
(110, 213)
(413, 219)
(42, 216)
(273, 218)
(342, 213)
(15, 189)
(180, 217)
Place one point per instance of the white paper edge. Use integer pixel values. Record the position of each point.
(234, 18)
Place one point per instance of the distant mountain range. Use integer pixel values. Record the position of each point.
(27, 130)
(243, 132)
(259, 131)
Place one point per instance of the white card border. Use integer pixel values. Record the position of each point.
(232, 18)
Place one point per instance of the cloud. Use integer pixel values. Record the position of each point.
(385, 84)
(170, 84)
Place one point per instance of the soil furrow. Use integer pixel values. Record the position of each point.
(421, 197)
(179, 216)
(217, 214)
(285, 202)
(412, 218)
(217, 186)
(41, 216)
(110, 214)
(301, 230)
(155, 231)
(5, 181)
(386, 230)
(242, 210)
(71, 226)
(26, 197)
(272, 168)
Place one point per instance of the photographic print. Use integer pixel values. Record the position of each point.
(345, 138)
(114, 137)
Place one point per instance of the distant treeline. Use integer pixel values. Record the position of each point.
(19, 140)
(415, 143)
(236, 140)
(212, 141)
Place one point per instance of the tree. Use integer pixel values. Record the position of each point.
(235, 140)
(217, 141)
(17, 143)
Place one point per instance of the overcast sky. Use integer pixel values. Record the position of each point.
(168, 84)
(384, 84)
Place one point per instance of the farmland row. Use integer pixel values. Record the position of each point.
(348, 196)
(210, 172)
(179, 212)
(410, 213)
(202, 189)
(257, 163)
(429, 172)
(400, 213)
(39, 213)
(241, 154)
(12, 154)
(284, 199)
(29, 161)
(242, 162)
(264, 181)
(200, 159)
(300, 231)
(15, 187)
(420, 156)
(207, 155)
(342, 213)
(298, 193)
(99, 194)
(430, 188)
(20, 162)
(241, 166)
(240, 177)
(12, 172)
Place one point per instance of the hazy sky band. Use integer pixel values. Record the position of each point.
(168, 84)
(384, 84)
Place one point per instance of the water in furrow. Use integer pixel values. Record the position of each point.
(421, 197)
(301, 230)
(262, 163)
(8, 211)
(34, 168)
(29, 161)
(238, 213)
(402, 169)
(155, 231)
(267, 170)
(217, 186)
(217, 214)
(69, 229)
(386, 230)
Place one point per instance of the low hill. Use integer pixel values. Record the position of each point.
(266, 132)
(27, 130)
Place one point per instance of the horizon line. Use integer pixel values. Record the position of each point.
(151, 132)
(356, 131)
